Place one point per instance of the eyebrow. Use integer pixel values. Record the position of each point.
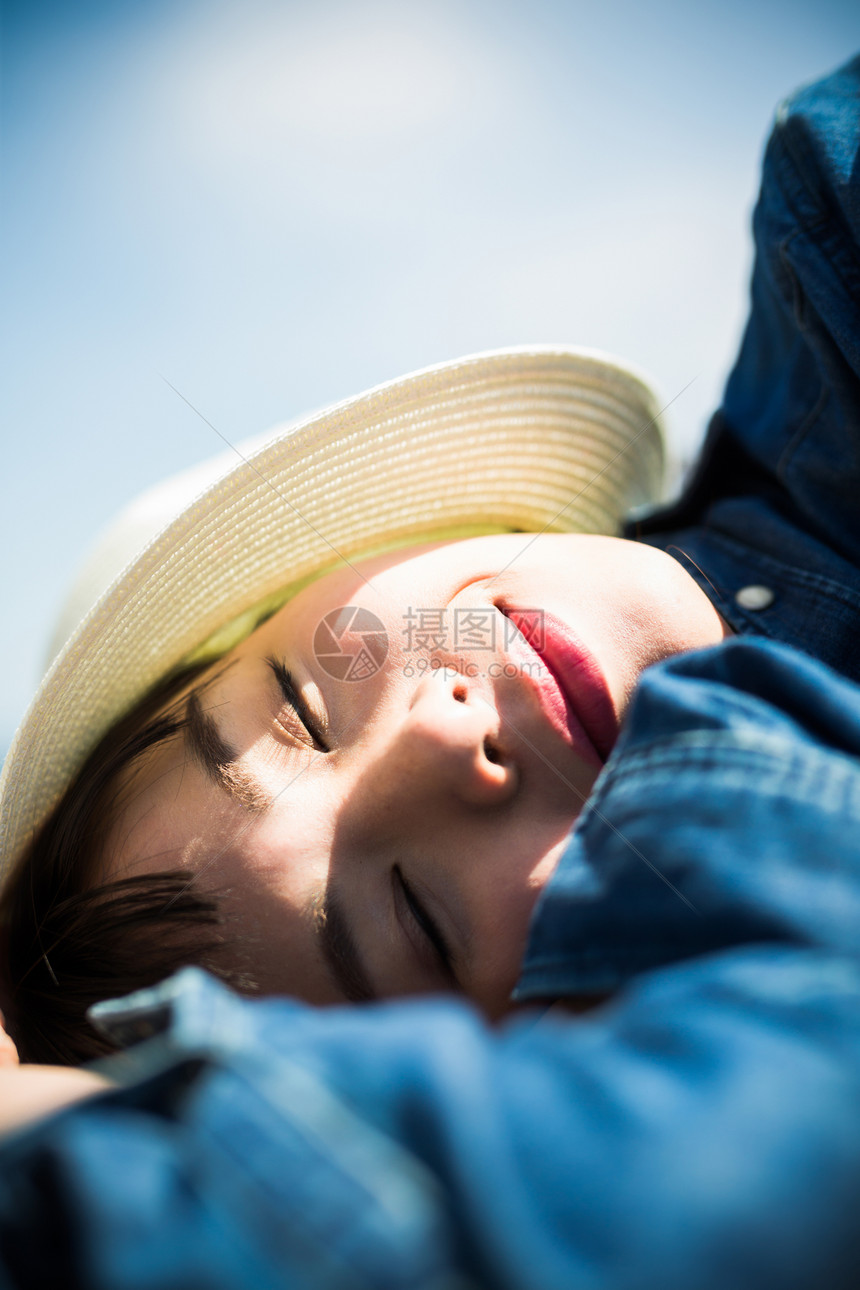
(219, 760)
(341, 952)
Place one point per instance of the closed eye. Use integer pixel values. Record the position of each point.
(303, 722)
(426, 925)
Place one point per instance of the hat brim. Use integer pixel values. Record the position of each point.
(531, 439)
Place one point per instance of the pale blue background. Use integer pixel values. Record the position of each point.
(274, 205)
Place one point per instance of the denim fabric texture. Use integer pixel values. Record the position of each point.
(701, 1128)
(775, 498)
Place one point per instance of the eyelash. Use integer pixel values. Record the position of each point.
(426, 924)
(292, 697)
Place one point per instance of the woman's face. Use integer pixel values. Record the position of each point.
(386, 829)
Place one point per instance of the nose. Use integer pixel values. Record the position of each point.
(452, 735)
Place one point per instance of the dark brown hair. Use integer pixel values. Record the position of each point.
(71, 943)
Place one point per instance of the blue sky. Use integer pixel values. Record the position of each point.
(274, 205)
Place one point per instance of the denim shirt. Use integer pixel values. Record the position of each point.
(769, 524)
(774, 502)
(701, 1127)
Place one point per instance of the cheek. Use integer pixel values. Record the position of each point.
(164, 823)
(504, 910)
(674, 610)
(640, 606)
(268, 886)
(278, 864)
(272, 935)
(505, 877)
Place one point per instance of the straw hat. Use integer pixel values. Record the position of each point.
(536, 438)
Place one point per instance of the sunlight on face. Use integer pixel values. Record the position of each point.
(383, 775)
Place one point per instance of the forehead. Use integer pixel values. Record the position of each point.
(396, 567)
(391, 583)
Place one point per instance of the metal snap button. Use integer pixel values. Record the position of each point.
(754, 597)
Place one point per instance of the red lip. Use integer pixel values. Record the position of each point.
(575, 672)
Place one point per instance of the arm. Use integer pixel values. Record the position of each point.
(8, 1051)
(27, 1093)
